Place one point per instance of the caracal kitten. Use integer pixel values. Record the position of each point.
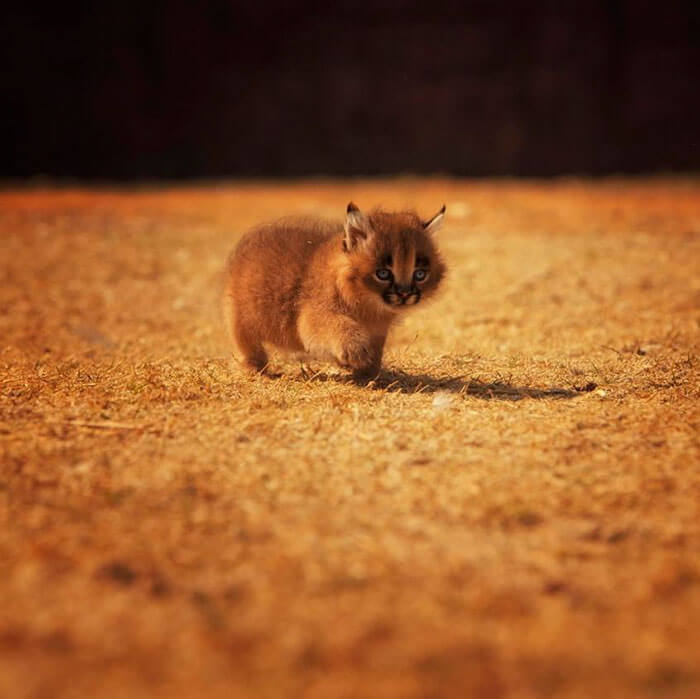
(328, 289)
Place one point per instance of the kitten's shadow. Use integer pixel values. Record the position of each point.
(400, 382)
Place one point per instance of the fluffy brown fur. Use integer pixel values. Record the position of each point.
(328, 289)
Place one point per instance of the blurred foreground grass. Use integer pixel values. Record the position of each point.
(512, 509)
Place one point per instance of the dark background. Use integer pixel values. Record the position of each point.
(178, 89)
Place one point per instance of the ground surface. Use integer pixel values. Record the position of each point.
(513, 509)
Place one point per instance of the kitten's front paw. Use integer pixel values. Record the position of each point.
(357, 354)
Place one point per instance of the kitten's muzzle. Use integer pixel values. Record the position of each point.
(402, 296)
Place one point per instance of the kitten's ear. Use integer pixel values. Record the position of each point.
(435, 223)
(357, 228)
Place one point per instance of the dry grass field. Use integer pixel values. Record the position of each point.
(512, 509)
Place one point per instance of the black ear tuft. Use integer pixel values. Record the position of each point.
(433, 224)
(357, 227)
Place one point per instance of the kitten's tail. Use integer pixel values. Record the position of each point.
(226, 305)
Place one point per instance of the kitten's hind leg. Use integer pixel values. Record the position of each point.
(251, 353)
(253, 359)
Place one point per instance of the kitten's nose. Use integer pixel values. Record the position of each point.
(403, 291)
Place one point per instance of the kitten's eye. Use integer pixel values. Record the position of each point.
(420, 274)
(384, 275)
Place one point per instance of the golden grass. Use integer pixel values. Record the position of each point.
(511, 509)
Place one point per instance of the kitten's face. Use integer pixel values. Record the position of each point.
(405, 269)
(394, 259)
